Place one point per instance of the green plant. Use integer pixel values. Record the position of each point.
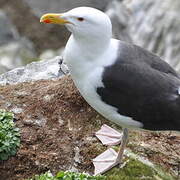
(9, 135)
(77, 176)
(45, 176)
(67, 176)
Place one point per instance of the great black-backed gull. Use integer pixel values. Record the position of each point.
(125, 83)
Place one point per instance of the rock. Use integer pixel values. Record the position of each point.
(120, 17)
(31, 72)
(14, 50)
(57, 133)
(43, 36)
(137, 22)
(43, 6)
(15, 54)
(17, 110)
(8, 32)
(155, 26)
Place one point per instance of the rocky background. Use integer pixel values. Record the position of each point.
(57, 126)
(151, 24)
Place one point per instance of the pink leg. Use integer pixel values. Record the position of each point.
(108, 136)
(110, 158)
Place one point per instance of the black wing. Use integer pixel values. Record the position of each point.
(142, 86)
(133, 54)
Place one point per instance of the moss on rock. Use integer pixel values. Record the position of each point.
(135, 170)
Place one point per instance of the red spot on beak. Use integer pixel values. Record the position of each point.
(47, 21)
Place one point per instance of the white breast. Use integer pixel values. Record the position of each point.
(87, 76)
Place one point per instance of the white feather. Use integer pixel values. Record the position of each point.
(87, 57)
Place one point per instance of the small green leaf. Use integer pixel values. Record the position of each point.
(60, 174)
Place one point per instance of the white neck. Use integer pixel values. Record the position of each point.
(81, 54)
(92, 46)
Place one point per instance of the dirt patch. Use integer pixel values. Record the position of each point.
(57, 131)
(53, 123)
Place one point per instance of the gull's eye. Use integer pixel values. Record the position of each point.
(80, 19)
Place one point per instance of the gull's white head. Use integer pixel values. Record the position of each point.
(82, 22)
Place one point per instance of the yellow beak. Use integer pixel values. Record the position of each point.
(53, 19)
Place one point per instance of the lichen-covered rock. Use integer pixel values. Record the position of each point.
(35, 71)
(155, 26)
(135, 169)
(120, 17)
